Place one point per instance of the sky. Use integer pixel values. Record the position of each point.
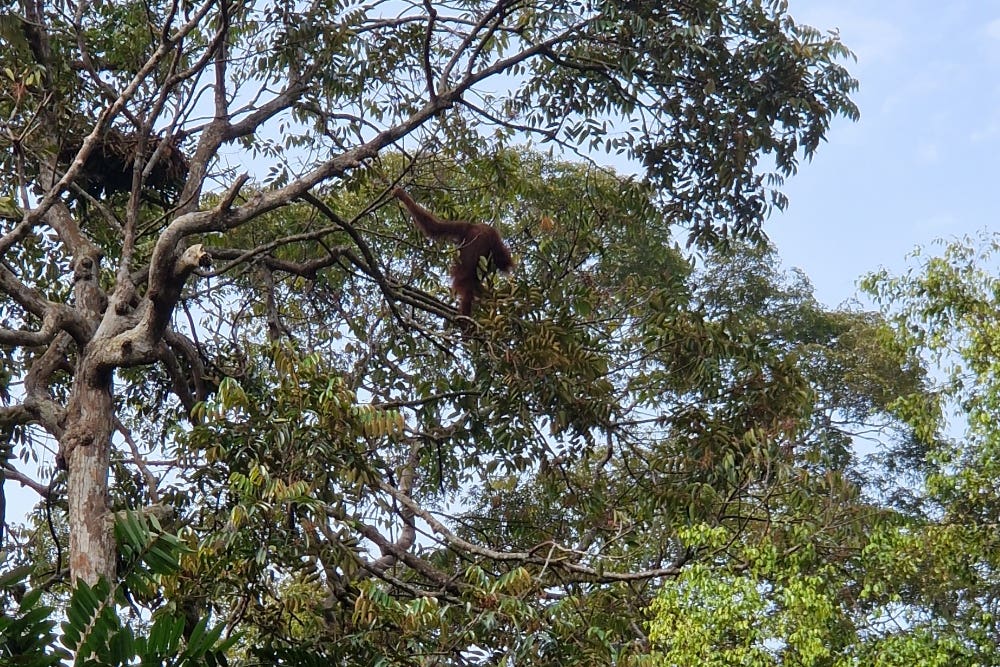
(921, 164)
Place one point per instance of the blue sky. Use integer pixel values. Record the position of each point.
(921, 164)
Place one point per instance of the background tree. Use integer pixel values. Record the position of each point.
(268, 368)
(918, 586)
(943, 571)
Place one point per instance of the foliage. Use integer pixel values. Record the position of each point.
(917, 585)
(26, 627)
(776, 607)
(93, 631)
(241, 351)
(729, 408)
(946, 308)
(918, 588)
(782, 607)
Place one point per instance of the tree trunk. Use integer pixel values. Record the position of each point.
(87, 448)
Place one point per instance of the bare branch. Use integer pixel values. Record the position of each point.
(17, 414)
(487, 18)
(193, 258)
(27, 297)
(35, 410)
(408, 535)
(225, 205)
(189, 351)
(16, 476)
(50, 327)
(179, 379)
(426, 55)
(396, 552)
(220, 50)
(16, 235)
(307, 269)
(137, 458)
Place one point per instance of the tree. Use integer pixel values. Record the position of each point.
(918, 584)
(787, 581)
(944, 570)
(140, 268)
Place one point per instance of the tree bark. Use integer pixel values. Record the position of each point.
(87, 450)
(85, 447)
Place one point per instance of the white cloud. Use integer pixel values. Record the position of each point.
(988, 41)
(987, 133)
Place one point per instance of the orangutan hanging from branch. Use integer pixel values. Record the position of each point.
(474, 241)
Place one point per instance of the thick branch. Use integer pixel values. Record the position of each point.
(236, 257)
(38, 398)
(17, 414)
(21, 337)
(15, 235)
(408, 536)
(54, 316)
(140, 344)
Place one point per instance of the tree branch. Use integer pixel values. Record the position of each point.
(408, 535)
(426, 55)
(103, 121)
(14, 475)
(588, 573)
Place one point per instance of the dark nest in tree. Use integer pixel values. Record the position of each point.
(109, 167)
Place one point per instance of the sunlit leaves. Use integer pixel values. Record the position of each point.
(766, 611)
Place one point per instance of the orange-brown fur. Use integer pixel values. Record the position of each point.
(474, 240)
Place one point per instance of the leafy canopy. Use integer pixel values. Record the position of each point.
(210, 316)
